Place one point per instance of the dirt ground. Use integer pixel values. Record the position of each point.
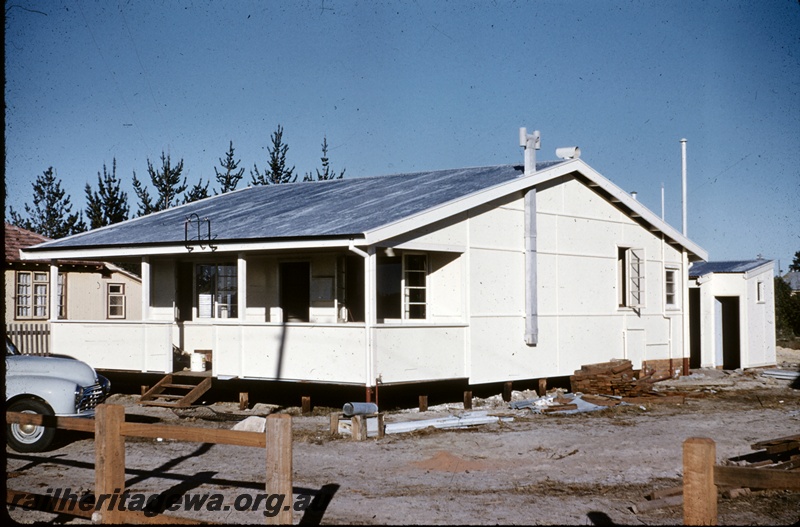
(580, 469)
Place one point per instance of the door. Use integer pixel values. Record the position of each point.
(695, 355)
(295, 291)
(726, 316)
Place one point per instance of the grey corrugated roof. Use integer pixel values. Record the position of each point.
(738, 266)
(793, 279)
(343, 207)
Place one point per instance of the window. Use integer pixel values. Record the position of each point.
(217, 291)
(415, 272)
(760, 292)
(630, 277)
(62, 296)
(116, 300)
(389, 275)
(402, 287)
(671, 288)
(32, 294)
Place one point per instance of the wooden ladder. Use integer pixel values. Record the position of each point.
(175, 391)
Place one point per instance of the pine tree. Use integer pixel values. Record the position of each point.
(51, 213)
(276, 173)
(326, 173)
(796, 263)
(109, 204)
(230, 178)
(197, 192)
(167, 183)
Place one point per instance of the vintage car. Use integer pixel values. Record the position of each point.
(60, 386)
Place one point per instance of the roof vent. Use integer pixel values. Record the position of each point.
(531, 143)
(568, 152)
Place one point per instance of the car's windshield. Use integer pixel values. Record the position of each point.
(11, 349)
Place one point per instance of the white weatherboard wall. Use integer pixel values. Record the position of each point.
(756, 318)
(580, 321)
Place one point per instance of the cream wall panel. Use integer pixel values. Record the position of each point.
(445, 282)
(499, 228)
(402, 356)
(310, 353)
(496, 283)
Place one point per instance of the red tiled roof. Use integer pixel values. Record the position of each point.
(17, 238)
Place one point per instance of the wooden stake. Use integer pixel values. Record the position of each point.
(144, 389)
(334, 423)
(507, 391)
(468, 400)
(279, 465)
(423, 403)
(699, 491)
(244, 400)
(381, 425)
(358, 426)
(109, 475)
(306, 401)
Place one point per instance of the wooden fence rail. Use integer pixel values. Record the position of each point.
(30, 339)
(701, 477)
(110, 431)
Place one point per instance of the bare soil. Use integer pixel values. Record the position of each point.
(580, 469)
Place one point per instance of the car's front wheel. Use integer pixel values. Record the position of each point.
(29, 438)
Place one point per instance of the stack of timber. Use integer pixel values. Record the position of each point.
(616, 377)
(782, 453)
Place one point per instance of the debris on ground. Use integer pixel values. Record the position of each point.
(788, 375)
(465, 420)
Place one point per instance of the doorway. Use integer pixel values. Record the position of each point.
(726, 316)
(295, 284)
(695, 340)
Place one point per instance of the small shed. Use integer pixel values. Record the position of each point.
(732, 314)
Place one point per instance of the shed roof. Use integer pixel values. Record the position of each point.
(735, 266)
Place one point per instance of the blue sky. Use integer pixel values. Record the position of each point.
(419, 85)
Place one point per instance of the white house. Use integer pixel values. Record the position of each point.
(486, 274)
(732, 307)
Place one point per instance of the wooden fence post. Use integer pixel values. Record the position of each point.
(699, 491)
(109, 476)
(279, 465)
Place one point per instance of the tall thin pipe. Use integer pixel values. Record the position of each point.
(683, 181)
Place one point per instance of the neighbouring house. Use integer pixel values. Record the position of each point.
(486, 274)
(84, 290)
(732, 306)
(792, 278)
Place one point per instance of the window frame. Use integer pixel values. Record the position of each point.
(760, 292)
(232, 291)
(676, 296)
(631, 275)
(32, 305)
(406, 289)
(114, 295)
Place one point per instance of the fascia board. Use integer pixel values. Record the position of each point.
(523, 182)
(769, 265)
(637, 207)
(178, 249)
(465, 203)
